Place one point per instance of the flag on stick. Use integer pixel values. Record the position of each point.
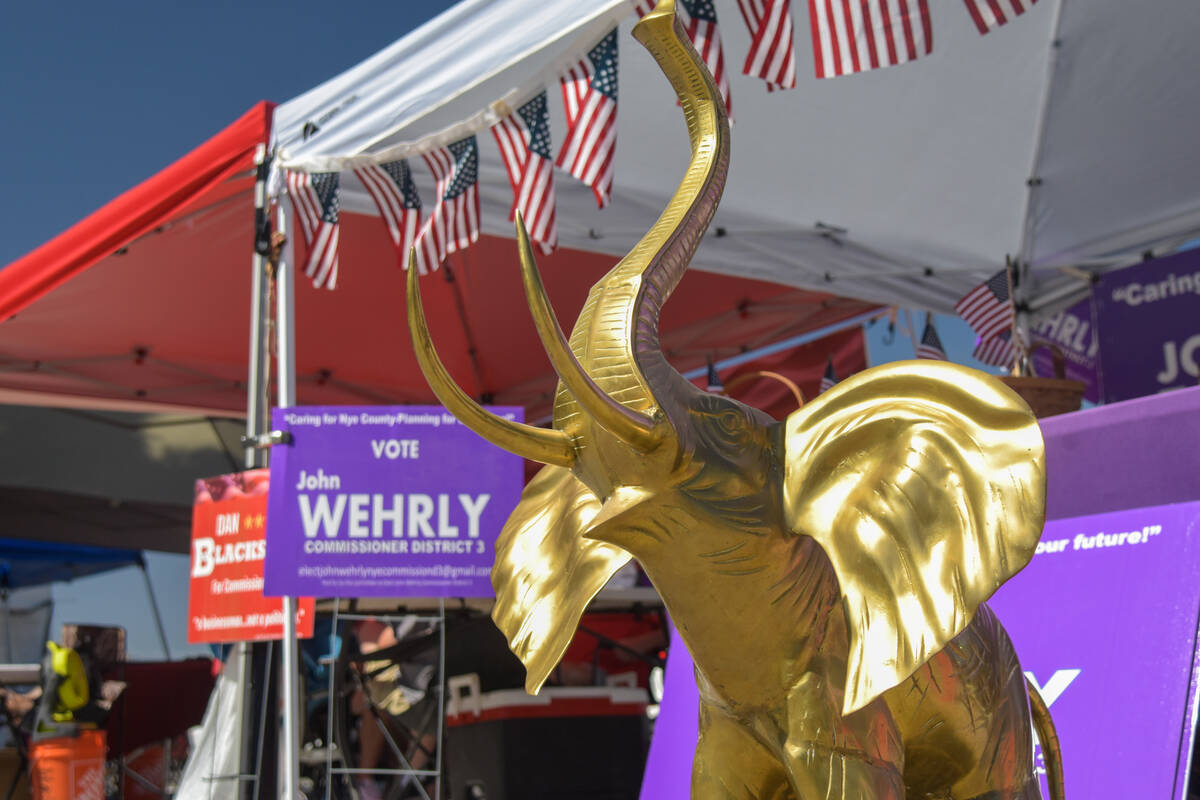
(590, 98)
(454, 223)
(866, 34)
(772, 51)
(524, 141)
(315, 199)
(930, 345)
(391, 187)
(991, 14)
(987, 308)
(997, 351)
(829, 379)
(714, 380)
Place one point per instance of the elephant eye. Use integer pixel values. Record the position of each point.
(730, 421)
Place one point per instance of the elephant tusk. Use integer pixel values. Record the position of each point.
(625, 423)
(537, 444)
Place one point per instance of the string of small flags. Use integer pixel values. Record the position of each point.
(847, 37)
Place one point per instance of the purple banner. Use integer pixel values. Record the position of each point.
(385, 501)
(1148, 316)
(1072, 332)
(1104, 620)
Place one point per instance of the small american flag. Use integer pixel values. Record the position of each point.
(855, 36)
(772, 51)
(930, 345)
(986, 308)
(590, 98)
(524, 140)
(391, 187)
(997, 351)
(829, 379)
(699, 20)
(991, 14)
(454, 224)
(714, 380)
(315, 198)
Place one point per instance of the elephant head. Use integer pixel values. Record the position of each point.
(921, 482)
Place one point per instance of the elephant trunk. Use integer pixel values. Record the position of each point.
(616, 336)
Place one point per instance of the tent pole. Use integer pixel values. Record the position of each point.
(257, 404)
(911, 321)
(285, 344)
(7, 627)
(158, 623)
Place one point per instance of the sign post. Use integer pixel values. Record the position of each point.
(285, 345)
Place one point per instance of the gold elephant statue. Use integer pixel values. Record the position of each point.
(827, 573)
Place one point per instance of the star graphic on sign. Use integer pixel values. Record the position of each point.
(258, 520)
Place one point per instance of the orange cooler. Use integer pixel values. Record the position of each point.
(69, 767)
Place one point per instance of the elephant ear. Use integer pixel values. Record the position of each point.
(546, 572)
(925, 484)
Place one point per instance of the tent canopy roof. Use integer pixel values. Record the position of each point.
(25, 563)
(145, 304)
(1063, 138)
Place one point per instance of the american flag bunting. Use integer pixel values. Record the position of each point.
(930, 346)
(524, 141)
(699, 20)
(454, 223)
(391, 187)
(590, 98)
(986, 308)
(829, 379)
(772, 50)
(315, 200)
(991, 14)
(857, 35)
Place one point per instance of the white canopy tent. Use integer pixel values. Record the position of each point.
(1066, 138)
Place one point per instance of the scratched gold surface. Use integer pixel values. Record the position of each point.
(827, 573)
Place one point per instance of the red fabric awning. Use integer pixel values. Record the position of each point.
(146, 304)
(168, 194)
(804, 366)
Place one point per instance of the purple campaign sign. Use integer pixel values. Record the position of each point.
(1105, 619)
(1148, 316)
(1071, 331)
(385, 501)
(1105, 622)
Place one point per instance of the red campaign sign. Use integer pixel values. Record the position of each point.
(225, 599)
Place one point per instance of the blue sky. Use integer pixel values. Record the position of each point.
(98, 97)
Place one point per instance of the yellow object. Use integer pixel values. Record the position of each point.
(827, 573)
(73, 691)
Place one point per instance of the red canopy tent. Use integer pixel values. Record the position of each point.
(145, 304)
